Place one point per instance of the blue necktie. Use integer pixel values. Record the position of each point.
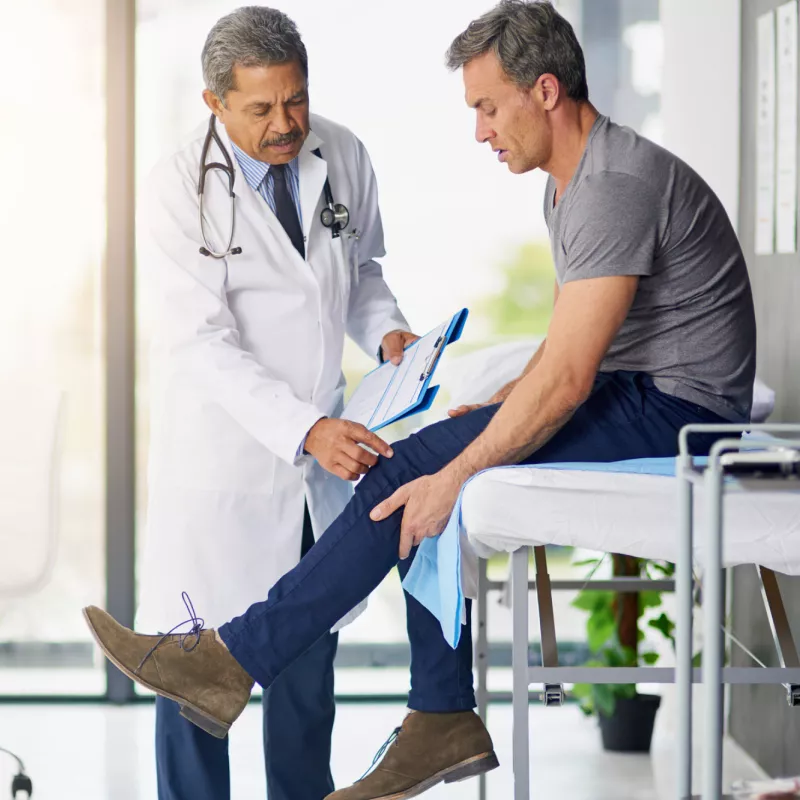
(285, 209)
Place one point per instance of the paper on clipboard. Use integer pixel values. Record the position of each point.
(409, 377)
(391, 392)
(362, 404)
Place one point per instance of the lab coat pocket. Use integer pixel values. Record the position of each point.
(351, 248)
(347, 259)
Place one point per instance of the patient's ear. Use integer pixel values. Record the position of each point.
(547, 91)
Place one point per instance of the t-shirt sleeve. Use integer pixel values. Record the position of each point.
(612, 228)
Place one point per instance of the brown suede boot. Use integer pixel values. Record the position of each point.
(193, 669)
(426, 750)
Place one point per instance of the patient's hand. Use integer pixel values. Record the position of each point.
(497, 397)
(427, 501)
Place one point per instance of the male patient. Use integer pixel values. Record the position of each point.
(653, 328)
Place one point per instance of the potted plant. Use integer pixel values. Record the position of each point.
(615, 631)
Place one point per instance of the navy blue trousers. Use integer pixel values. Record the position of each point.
(625, 417)
(298, 714)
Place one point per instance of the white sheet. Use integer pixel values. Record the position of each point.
(623, 513)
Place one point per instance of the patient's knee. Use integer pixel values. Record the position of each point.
(389, 473)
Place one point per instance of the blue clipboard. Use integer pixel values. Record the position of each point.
(397, 379)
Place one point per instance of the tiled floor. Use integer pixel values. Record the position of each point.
(105, 753)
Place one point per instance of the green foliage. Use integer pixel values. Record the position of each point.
(649, 600)
(592, 601)
(665, 570)
(603, 639)
(665, 625)
(524, 304)
(593, 562)
(602, 698)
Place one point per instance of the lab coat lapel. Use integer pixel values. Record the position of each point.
(313, 173)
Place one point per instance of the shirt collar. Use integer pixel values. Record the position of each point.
(254, 171)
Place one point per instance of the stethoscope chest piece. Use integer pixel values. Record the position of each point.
(335, 216)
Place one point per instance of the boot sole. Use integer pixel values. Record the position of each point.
(217, 728)
(470, 768)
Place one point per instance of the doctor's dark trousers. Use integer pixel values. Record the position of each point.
(298, 712)
(624, 417)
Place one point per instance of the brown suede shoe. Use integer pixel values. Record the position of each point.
(426, 750)
(193, 669)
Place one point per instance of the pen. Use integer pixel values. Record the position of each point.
(437, 349)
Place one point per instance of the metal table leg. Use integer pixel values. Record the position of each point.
(683, 636)
(712, 646)
(781, 629)
(482, 656)
(553, 692)
(519, 610)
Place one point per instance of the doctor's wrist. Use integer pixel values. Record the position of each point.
(306, 451)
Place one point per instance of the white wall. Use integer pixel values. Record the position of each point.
(700, 90)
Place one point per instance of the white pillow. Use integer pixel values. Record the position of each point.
(763, 402)
(476, 376)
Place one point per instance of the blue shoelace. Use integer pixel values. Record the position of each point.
(384, 747)
(187, 641)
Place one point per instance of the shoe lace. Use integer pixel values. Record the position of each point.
(384, 747)
(187, 641)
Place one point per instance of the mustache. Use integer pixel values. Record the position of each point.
(282, 140)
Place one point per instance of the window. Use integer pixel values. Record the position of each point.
(52, 224)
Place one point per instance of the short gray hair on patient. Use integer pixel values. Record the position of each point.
(530, 38)
(251, 36)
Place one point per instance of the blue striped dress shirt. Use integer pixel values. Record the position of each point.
(260, 178)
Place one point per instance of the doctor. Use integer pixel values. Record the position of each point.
(252, 303)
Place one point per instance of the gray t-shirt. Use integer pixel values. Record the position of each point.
(632, 208)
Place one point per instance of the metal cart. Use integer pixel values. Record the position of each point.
(713, 482)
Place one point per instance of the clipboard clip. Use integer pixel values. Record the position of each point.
(430, 361)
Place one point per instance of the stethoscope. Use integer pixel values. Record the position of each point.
(333, 216)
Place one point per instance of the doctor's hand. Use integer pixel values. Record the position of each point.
(428, 502)
(497, 397)
(394, 343)
(336, 444)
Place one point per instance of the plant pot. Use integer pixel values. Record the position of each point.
(630, 728)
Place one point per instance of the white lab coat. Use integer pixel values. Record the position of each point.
(246, 357)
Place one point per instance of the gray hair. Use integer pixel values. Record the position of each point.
(251, 36)
(529, 39)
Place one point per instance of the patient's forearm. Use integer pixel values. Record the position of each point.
(540, 404)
